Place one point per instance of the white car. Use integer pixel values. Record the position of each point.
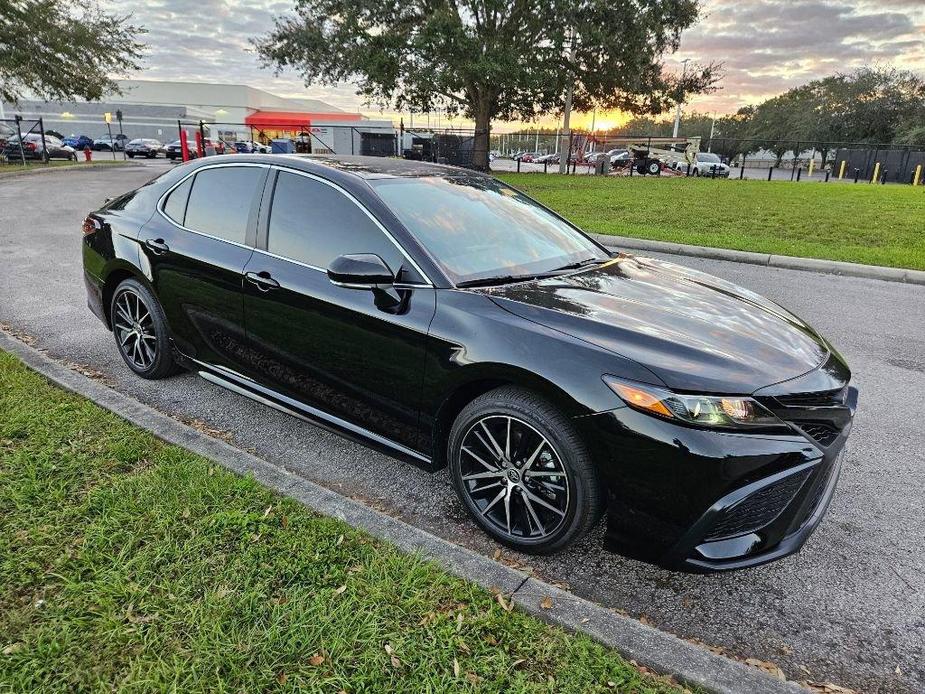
(705, 162)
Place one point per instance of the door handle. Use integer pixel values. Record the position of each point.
(262, 280)
(157, 245)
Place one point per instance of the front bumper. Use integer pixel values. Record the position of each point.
(698, 500)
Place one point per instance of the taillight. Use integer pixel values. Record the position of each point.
(30, 146)
(91, 225)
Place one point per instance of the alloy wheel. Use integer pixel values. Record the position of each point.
(514, 478)
(134, 327)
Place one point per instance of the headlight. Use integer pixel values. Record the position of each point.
(731, 412)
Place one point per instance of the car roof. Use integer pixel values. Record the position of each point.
(355, 166)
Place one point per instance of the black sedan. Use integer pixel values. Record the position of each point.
(444, 317)
(175, 150)
(144, 147)
(34, 147)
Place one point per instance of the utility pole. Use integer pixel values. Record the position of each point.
(567, 111)
(677, 114)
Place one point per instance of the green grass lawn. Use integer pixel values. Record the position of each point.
(878, 225)
(128, 564)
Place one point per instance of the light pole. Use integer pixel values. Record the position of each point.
(567, 111)
(712, 129)
(677, 114)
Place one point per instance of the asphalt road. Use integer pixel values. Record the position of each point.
(849, 609)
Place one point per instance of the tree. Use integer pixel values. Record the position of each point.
(491, 59)
(57, 54)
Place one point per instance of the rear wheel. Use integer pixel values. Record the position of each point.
(522, 472)
(140, 329)
(653, 168)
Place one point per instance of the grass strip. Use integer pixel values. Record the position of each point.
(871, 224)
(130, 564)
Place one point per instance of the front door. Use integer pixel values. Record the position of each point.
(196, 252)
(329, 347)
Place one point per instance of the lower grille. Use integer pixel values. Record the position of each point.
(757, 509)
(823, 432)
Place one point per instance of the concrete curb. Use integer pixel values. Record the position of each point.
(19, 173)
(835, 267)
(646, 645)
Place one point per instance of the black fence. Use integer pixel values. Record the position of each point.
(747, 157)
(16, 145)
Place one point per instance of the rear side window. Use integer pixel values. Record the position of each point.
(175, 206)
(220, 201)
(313, 223)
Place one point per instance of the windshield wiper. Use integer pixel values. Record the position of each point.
(581, 263)
(509, 279)
(495, 281)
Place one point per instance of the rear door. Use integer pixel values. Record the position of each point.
(196, 247)
(331, 347)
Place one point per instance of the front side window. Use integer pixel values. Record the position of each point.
(313, 223)
(220, 201)
(478, 228)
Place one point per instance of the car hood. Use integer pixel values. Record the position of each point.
(695, 332)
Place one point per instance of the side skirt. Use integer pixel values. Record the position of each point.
(271, 398)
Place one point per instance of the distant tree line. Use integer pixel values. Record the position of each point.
(870, 105)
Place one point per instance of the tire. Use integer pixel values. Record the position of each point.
(653, 168)
(546, 461)
(140, 330)
(697, 172)
(131, 156)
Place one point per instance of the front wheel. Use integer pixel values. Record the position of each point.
(140, 329)
(523, 473)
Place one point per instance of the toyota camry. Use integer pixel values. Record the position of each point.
(444, 317)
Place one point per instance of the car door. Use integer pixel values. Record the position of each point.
(195, 248)
(335, 349)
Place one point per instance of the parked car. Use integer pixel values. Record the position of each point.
(144, 147)
(32, 148)
(547, 159)
(251, 147)
(108, 144)
(704, 164)
(526, 157)
(78, 142)
(6, 132)
(175, 150)
(453, 321)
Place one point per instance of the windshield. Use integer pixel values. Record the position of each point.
(706, 156)
(478, 228)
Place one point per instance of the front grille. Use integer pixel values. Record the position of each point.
(757, 509)
(822, 398)
(822, 432)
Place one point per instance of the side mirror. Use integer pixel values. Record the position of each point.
(360, 271)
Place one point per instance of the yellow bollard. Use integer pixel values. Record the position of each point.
(841, 171)
(918, 175)
(876, 173)
(812, 163)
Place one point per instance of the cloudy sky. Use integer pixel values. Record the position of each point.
(767, 46)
